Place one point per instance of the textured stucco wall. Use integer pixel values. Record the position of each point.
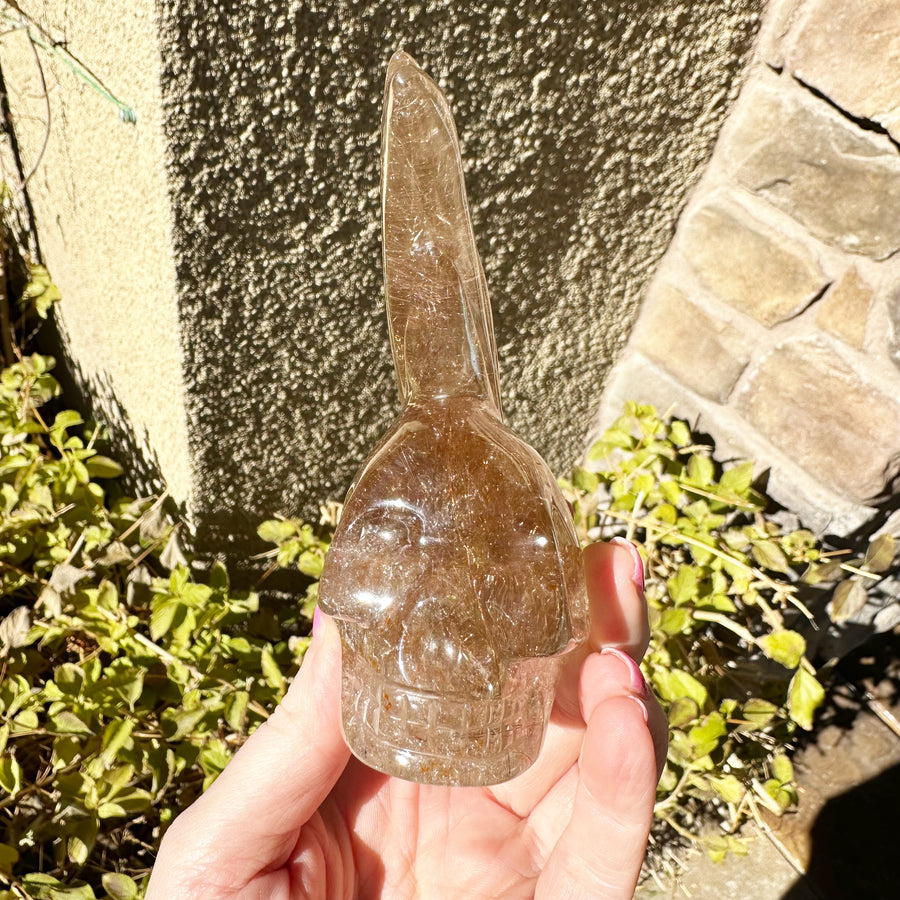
(582, 127)
(102, 210)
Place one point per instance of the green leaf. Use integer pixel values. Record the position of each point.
(674, 684)
(682, 711)
(124, 682)
(27, 719)
(69, 678)
(66, 418)
(770, 556)
(682, 587)
(218, 577)
(728, 788)
(705, 736)
(126, 804)
(759, 712)
(213, 759)
(783, 795)
(700, 470)
(77, 850)
(785, 647)
(271, 670)
(880, 554)
(805, 695)
(115, 737)
(45, 887)
(103, 467)
(179, 723)
(119, 887)
(719, 846)
(162, 616)
(782, 768)
(737, 479)
(10, 775)
(311, 562)
(614, 438)
(81, 840)
(676, 621)
(679, 433)
(66, 722)
(849, 598)
(9, 856)
(274, 531)
(236, 709)
(585, 480)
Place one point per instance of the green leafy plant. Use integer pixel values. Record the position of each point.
(128, 677)
(728, 657)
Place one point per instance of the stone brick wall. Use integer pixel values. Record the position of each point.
(773, 320)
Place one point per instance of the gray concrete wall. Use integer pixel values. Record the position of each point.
(582, 125)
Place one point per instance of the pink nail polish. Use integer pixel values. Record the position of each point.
(317, 621)
(638, 574)
(635, 676)
(643, 707)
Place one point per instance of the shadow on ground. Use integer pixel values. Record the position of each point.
(854, 844)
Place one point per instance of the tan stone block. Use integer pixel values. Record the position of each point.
(773, 36)
(845, 309)
(850, 51)
(702, 352)
(818, 411)
(894, 335)
(749, 266)
(837, 180)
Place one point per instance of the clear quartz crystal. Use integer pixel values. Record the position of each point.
(454, 574)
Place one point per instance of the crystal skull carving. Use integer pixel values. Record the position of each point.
(454, 574)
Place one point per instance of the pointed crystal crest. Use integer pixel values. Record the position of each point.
(439, 313)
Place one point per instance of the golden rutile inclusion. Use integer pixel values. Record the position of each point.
(454, 574)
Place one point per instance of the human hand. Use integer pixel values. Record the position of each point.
(295, 817)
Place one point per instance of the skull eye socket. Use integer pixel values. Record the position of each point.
(390, 525)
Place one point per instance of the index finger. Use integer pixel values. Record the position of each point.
(614, 573)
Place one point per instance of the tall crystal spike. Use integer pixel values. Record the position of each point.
(439, 313)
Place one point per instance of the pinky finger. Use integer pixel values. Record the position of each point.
(600, 853)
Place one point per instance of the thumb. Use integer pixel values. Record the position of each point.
(250, 818)
(600, 853)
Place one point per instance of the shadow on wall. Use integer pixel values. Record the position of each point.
(95, 397)
(854, 849)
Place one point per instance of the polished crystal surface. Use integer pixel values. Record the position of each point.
(454, 574)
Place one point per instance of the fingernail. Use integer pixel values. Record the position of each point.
(318, 616)
(638, 574)
(643, 707)
(635, 676)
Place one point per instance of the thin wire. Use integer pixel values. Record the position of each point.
(38, 36)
